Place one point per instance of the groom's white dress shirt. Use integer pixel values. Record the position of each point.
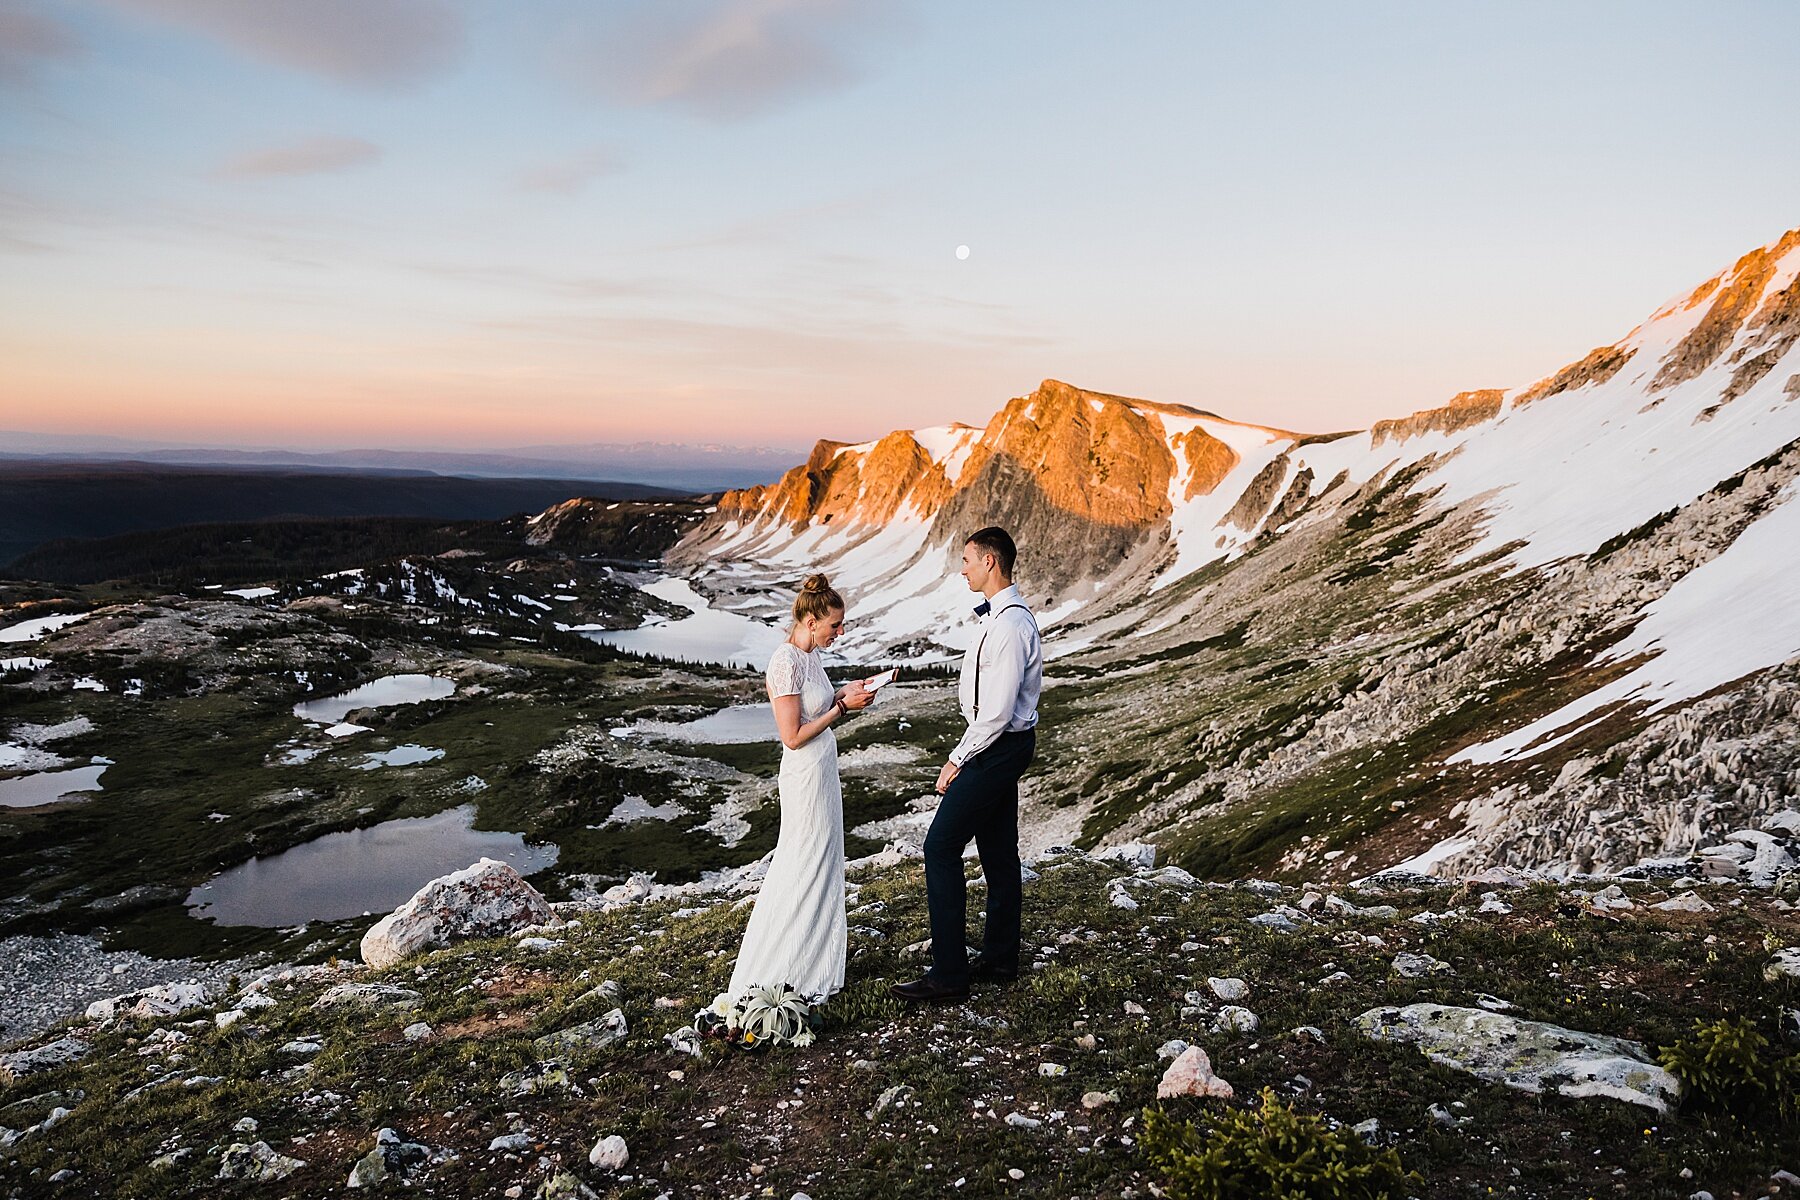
(1011, 657)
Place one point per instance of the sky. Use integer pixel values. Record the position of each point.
(424, 224)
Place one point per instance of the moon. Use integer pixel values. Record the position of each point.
(962, 252)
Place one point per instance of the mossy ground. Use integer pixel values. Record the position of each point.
(733, 1123)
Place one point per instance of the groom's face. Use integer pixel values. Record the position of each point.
(978, 566)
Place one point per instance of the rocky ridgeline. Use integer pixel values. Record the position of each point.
(295, 1117)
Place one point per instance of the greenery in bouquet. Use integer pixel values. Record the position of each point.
(762, 1016)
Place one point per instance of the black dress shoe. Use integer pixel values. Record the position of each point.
(982, 970)
(929, 989)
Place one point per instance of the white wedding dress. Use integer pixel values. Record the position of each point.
(796, 933)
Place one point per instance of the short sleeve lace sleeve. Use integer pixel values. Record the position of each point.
(784, 671)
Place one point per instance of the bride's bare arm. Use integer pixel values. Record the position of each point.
(794, 732)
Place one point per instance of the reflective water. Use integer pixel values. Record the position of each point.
(391, 689)
(358, 871)
(708, 634)
(399, 756)
(739, 723)
(47, 787)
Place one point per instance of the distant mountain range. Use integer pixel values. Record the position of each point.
(47, 500)
(681, 467)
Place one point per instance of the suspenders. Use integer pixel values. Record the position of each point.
(983, 642)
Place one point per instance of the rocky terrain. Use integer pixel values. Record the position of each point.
(1507, 1035)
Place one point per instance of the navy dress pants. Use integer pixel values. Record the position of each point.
(982, 803)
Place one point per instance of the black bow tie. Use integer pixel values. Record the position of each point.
(982, 609)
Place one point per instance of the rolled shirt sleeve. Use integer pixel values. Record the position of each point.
(1001, 675)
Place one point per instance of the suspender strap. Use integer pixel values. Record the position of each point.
(983, 642)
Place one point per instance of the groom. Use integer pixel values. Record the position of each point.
(1001, 679)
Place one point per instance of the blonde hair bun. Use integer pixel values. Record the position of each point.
(817, 599)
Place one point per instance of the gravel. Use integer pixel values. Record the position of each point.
(44, 979)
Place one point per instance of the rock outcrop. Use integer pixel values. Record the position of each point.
(1529, 1055)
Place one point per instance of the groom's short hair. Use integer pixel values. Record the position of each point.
(999, 543)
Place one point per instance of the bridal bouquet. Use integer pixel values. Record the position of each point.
(761, 1017)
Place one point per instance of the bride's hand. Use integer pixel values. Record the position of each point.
(857, 697)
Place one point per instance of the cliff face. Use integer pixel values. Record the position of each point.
(1465, 409)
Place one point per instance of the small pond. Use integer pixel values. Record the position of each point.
(377, 693)
(47, 787)
(358, 871)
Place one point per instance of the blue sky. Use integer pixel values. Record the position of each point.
(415, 223)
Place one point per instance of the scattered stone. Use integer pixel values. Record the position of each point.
(20, 1063)
(566, 1185)
(1785, 963)
(488, 899)
(1050, 1070)
(589, 1037)
(159, 1000)
(1689, 901)
(1493, 1003)
(1445, 1117)
(1369, 1130)
(228, 1018)
(392, 1155)
(1191, 1074)
(1610, 897)
(1310, 1033)
(538, 1080)
(1133, 1009)
(1417, 966)
(685, 1040)
(367, 995)
(1529, 1055)
(1171, 1049)
(1137, 855)
(257, 1161)
(418, 1031)
(609, 1153)
(894, 1096)
(1229, 988)
(1021, 1121)
(1235, 1019)
(303, 1046)
(1093, 1100)
(1276, 921)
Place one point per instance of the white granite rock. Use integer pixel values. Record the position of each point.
(1229, 988)
(256, 1161)
(1529, 1055)
(1686, 902)
(19, 1063)
(609, 1153)
(488, 899)
(161, 1000)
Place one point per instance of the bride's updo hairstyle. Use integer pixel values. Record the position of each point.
(817, 599)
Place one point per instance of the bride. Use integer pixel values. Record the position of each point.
(796, 934)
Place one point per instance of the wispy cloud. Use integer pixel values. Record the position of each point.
(28, 39)
(730, 59)
(571, 175)
(311, 156)
(371, 43)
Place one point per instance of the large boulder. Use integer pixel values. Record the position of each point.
(489, 899)
(1529, 1055)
